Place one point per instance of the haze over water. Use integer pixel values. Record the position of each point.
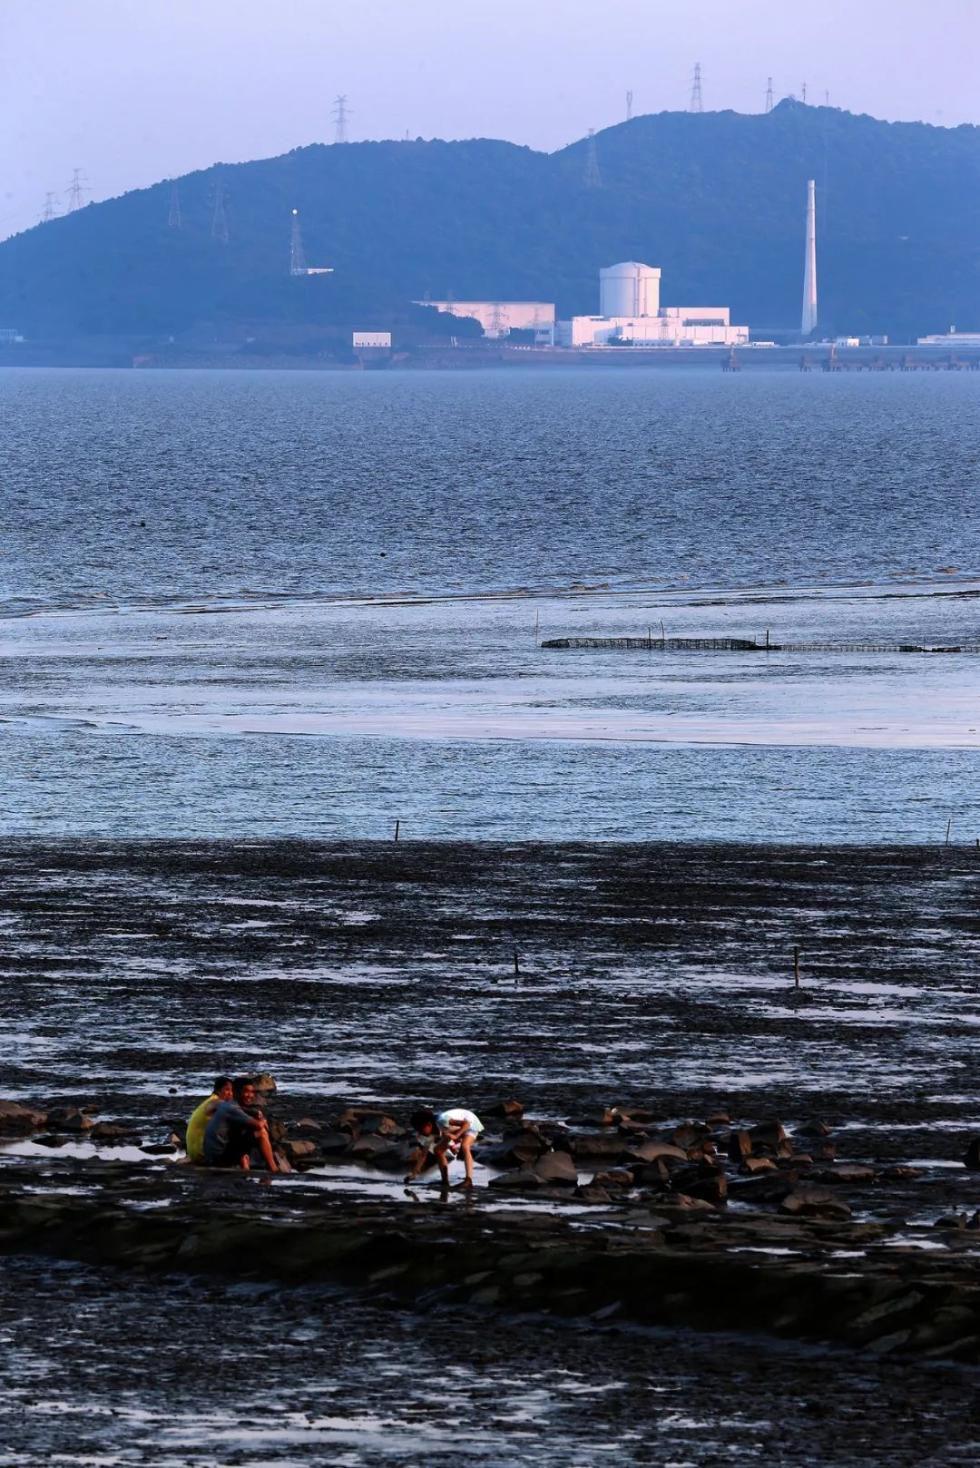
(380, 548)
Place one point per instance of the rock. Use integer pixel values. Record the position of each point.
(615, 1177)
(712, 1188)
(652, 1174)
(17, 1120)
(296, 1149)
(510, 1109)
(115, 1131)
(557, 1169)
(758, 1164)
(264, 1084)
(69, 1119)
(654, 1151)
(522, 1181)
(334, 1144)
(686, 1203)
(901, 1173)
(372, 1149)
(824, 1152)
(971, 1157)
(809, 1202)
(603, 1145)
(846, 1172)
(159, 1149)
(307, 1124)
(690, 1134)
(739, 1146)
(812, 1128)
(770, 1133)
(718, 1119)
(592, 1193)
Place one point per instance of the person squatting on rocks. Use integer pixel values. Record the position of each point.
(235, 1128)
(201, 1115)
(442, 1137)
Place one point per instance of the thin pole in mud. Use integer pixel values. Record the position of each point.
(398, 826)
(796, 967)
(517, 964)
(949, 827)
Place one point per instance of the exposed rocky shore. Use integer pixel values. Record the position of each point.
(707, 1224)
(677, 1135)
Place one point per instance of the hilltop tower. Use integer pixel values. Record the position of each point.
(297, 255)
(809, 321)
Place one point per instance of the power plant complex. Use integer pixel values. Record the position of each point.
(630, 313)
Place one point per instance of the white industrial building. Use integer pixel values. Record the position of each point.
(500, 318)
(630, 311)
(371, 340)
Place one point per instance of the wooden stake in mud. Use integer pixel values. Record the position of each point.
(517, 965)
(796, 968)
(398, 826)
(949, 827)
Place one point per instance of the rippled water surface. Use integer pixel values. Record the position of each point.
(312, 603)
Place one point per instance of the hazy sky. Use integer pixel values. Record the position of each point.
(136, 90)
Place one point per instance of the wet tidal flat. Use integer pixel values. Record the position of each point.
(573, 977)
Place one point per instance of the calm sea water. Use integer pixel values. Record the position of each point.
(311, 603)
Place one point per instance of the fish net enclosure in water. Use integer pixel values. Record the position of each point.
(747, 644)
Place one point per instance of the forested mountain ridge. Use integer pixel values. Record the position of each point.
(715, 199)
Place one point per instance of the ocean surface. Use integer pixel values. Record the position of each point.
(312, 603)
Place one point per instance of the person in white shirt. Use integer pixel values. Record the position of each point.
(444, 1136)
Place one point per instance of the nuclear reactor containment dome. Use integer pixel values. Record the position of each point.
(629, 289)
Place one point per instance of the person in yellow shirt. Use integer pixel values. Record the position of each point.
(199, 1118)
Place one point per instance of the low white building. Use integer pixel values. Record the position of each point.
(377, 339)
(649, 323)
(500, 318)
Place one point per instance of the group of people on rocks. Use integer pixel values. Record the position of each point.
(229, 1129)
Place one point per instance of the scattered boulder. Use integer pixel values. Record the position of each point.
(17, 1120)
(690, 1134)
(810, 1202)
(557, 1169)
(510, 1109)
(739, 1146)
(812, 1128)
(846, 1172)
(601, 1145)
(69, 1119)
(265, 1084)
(654, 1151)
(297, 1149)
(755, 1165)
(615, 1177)
(770, 1133)
(592, 1193)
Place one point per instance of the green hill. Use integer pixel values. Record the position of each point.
(715, 199)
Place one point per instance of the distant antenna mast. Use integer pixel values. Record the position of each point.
(297, 255)
(803, 90)
(76, 191)
(629, 106)
(697, 101)
(769, 96)
(341, 112)
(808, 323)
(175, 220)
(50, 211)
(592, 178)
(219, 218)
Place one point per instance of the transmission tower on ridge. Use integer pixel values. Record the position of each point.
(219, 218)
(175, 220)
(592, 178)
(697, 102)
(76, 191)
(769, 95)
(803, 90)
(629, 106)
(297, 255)
(50, 211)
(341, 112)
